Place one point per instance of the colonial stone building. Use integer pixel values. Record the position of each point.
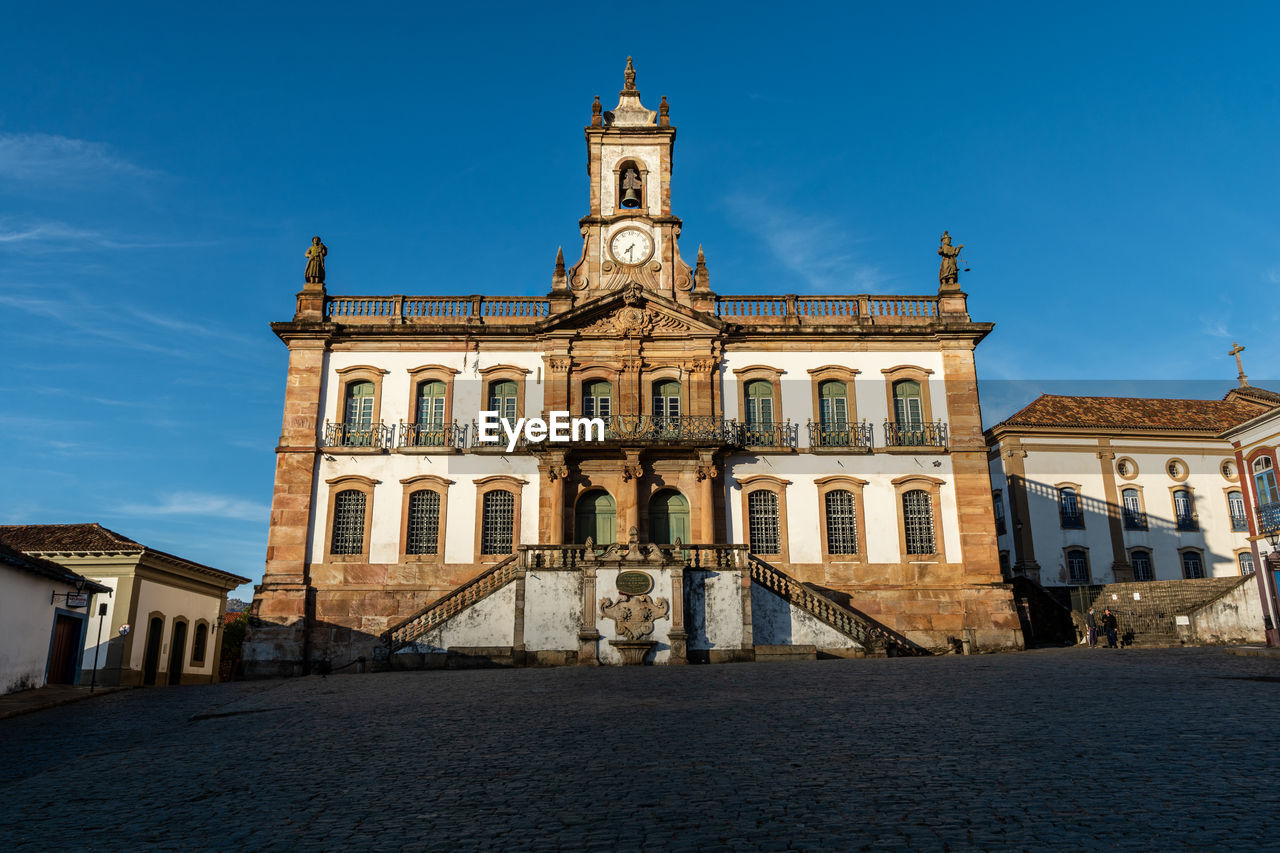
(1096, 490)
(825, 452)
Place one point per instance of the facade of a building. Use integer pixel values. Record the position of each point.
(1096, 490)
(45, 614)
(172, 606)
(1256, 446)
(836, 439)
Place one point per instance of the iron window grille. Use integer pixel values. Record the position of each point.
(1246, 564)
(917, 516)
(1192, 565)
(1141, 562)
(423, 535)
(497, 522)
(1077, 567)
(762, 512)
(1069, 509)
(348, 522)
(842, 523)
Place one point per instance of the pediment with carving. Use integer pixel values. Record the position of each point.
(635, 312)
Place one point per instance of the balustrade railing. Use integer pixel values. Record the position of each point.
(685, 429)
(1071, 520)
(915, 435)
(1239, 523)
(569, 557)
(1268, 517)
(442, 609)
(764, 310)
(769, 434)
(441, 435)
(1135, 520)
(378, 435)
(436, 309)
(840, 434)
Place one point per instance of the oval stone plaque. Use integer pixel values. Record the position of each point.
(634, 583)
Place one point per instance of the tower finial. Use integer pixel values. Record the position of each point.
(1235, 350)
(629, 76)
(560, 260)
(664, 113)
(595, 112)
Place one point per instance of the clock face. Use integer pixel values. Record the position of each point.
(631, 246)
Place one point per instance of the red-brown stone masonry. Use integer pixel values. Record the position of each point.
(978, 547)
(295, 465)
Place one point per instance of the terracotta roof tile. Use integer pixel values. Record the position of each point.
(15, 559)
(1138, 413)
(66, 537)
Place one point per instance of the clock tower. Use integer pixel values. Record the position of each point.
(629, 235)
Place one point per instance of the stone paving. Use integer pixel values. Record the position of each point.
(1074, 748)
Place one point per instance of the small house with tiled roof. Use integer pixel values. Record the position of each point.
(169, 607)
(44, 619)
(1092, 490)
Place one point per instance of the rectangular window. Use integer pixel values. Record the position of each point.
(497, 522)
(423, 534)
(842, 523)
(762, 512)
(1192, 565)
(917, 518)
(348, 522)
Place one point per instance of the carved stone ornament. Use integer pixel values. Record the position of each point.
(557, 472)
(707, 471)
(633, 615)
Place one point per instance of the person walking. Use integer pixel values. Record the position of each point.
(1091, 628)
(1109, 625)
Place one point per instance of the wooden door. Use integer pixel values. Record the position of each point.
(66, 646)
(151, 663)
(177, 652)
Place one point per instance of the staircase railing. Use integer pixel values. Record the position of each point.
(442, 609)
(865, 631)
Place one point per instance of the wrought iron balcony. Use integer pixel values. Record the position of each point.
(1187, 522)
(1134, 520)
(915, 435)
(841, 434)
(1071, 520)
(644, 429)
(1268, 517)
(440, 435)
(377, 435)
(769, 435)
(1239, 523)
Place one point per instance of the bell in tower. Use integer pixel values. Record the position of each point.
(631, 189)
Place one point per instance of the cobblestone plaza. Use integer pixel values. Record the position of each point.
(1074, 749)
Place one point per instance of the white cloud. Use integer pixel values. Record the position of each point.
(815, 248)
(46, 158)
(200, 504)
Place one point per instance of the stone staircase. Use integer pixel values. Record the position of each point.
(407, 631)
(1152, 616)
(871, 635)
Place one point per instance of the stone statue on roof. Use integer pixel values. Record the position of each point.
(315, 261)
(948, 273)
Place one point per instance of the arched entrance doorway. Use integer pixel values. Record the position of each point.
(668, 518)
(596, 516)
(177, 652)
(151, 662)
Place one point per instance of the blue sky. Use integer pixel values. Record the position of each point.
(1112, 172)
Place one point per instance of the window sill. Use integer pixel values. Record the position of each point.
(417, 450)
(855, 450)
(344, 450)
(346, 558)
(925, 449)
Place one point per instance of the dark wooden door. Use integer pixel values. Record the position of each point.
(66, 644)
(151, 662)
(177, 652)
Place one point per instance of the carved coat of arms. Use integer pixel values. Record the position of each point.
(633, 615)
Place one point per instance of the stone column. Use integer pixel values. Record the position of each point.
(629, 500)
(557, 470)
(588, 636)
(678, 637)
(708, 471)
(277, 636)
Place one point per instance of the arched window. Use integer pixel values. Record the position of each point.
(199, 643)
(1184, 510)
(1134, 517)
(668, 518)
(759, 409)
(1141, 562)
(1069, 508)
(1077, 566)
(503, 396)
(630, 185)
(348, 522)
(358, 410)
(423, 533)
(908, 403)
(1246, 563)
(762, 522)
(1192, 564)
(596, 518)
(997, 504)
(1264, 479)
(917, 518)
(497, 522)
(666, 399)
(430, 408)
(597, 399)
(842, 522)
(833, 405)
(1235, 503)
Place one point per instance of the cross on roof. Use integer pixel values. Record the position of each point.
(1235, 350)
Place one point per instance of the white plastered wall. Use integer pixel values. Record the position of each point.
(27, 615)
(174, 602)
